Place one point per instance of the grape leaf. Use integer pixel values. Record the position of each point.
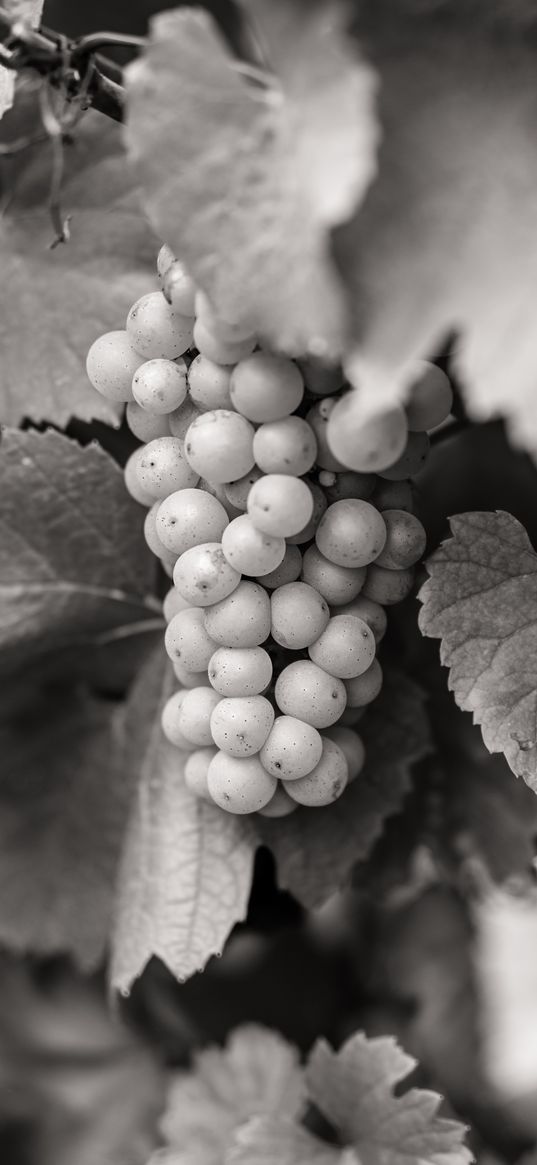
(187, 866)
(29, 10)
(245, 179)
(74, 569)
(263, 1141)
(54, 303)
(64, 796)
(481, 601)
(257, 1072)
(445, 239)
(315, 851)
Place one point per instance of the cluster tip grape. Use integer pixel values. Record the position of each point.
(280, 503)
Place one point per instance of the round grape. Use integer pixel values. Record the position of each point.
(249, 550)
(151, 533)
(239, 784)
(143, 425)
(220, 351)
(349, 484)
(237, 491)
(280, 805)
(292, 748)
(280, 505)
(240, 725)
(209, 384)
(388, 586)
(132, 480)
(172, 603)
(405, 542)
(287, 446)
(170, 722)
(288, 570)
(326, 782)
(240, 671)
(241, 620)
(195, 715)
(191, 679)
(372, 613)
(204, 576)
(430, 398)
(412, 459)
(189, 517)
(159, 386)
(351, 745)
(394, 495)
(187, 642)
(157, 329)
(196, 770)
(345, 648)
(219, 445)
(319, 507)
(337, 584)
(318, 418)
(299, 615)
(351, 533)
(321, 379)
(363, 689)
(111, 363)
(266, 387)
(364, 436)
(309, 693)
(162, 468)
(181, 419)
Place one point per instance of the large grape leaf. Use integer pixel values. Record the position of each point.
(481, 601)
(315, 851)
(245, 179)
(54, 303)
(20, 10)
(75, 573)
(446, 237)
(187, 866)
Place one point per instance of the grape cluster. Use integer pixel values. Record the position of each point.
(281, 506)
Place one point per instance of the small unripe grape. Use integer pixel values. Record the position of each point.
(237, 491)
(187, 642)
(240, 725)
(318, 418)
(280, 505)
(111, 363)
(219, 445)
(321, 379)
(228, 330)
(288, 570)
(249, 550)
(241, 620)
(144, 425)
(191, 679)
(132, 480)
(266, 387)
(189, 517)
(287, 446)
(430, 398)
(388, 586)
(157, 329)
(170, 722)
(337, 584)
(309, 693)
(319, 507)
(240, 784)
(292, 748)
(195, 715)
(209, 384)
(299, 614)
(196, 770)
(172, 603)
(372, 613)
(405, 542)
(240, 671)
(326, 782)
(204, 576)
(349, 484)
(393, 495)
(366, 437)
(351, 744)
(345, 648)
(181, 419)
(162, 468)
(351, 533)
(159, 386)
(280, 805)
(363, 689)
(179, 288)
(412, 459)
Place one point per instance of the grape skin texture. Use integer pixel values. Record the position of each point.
(430, 398)
(195, 715)
(190, 679)
(132, 480)
(351, 744)
(266, 387)
(337, 584)
(203, 575)
(288, 570)
(111, 364)
(405, 542)
(292, 748)
(241, 620)
(240, 725)
(388, 586)
(326, 782)
(172, 603)
(240, 671)
(196, 770)
(309, 693)
(299, 614)
(181, 419)
(237, 491)
(154, 328)
(189, 517)
(351, 533)
(288, 446)
(219, 445)
(281, 805)
(363, 439)
(162, 468)
(186, 640)
(249, 550)
(361, 690)
(372, 613)
(346, 647)
(160, 385)
(318, 418)
(143, 425)
(209, 384)
(319, 506)
(170, 722)
(280, 505)
(240, 785)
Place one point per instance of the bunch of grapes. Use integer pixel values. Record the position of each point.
(282, 507)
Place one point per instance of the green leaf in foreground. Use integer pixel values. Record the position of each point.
(481, 601)
(187, 866)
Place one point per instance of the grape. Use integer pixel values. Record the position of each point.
(219, 445)
(299, 615)
(351, 533)
(394, 495)
(173, 603)
(221, 351)
(327, 780)
(337, 584)
(430, 398)
(159, 386)
(111, 363)
(170, 722)
(319, 506)
(349, 484)
(217, 490)
(241, 620)
(266, 387)
(362, 689)
(204, 576)
(388, 586)
(188, 518)
(179, 288)
(250, 551)
(240, 671)
(364, 436)
(351, 745)
(288, 446)
(143, 425)
(151, 532)
(165, 258)
(239, 784)
(346, 647)
(195, 715)
(181, 419)
(372, 613)
(412, 459)
(196, 770)
(280, 805)
(321, 379)
(318, 418)
(186, 640)
(209, 384)
(191, 679)
(240, 726)
(132, 481)
(162, 468)
(405, 542)
(237, 491)
(292, 748)
(223, 328)
(157, 329)
(288, 570)
(309, 693)
(280, 505)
